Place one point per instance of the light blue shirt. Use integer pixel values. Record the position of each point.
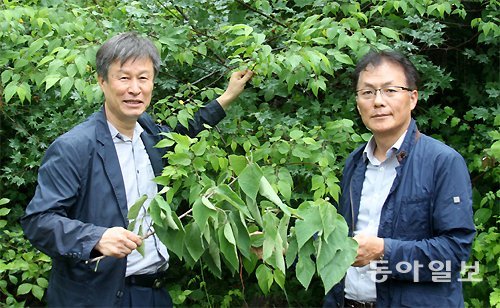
(379, 177)
(138, 176)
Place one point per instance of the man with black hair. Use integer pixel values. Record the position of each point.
(406, 197)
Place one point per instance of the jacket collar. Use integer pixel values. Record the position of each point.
(107, 152)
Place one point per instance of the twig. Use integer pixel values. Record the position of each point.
(262, 14)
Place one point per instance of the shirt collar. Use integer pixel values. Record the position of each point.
(116, 134)
(370, 148)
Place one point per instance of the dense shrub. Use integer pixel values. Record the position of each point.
(291, 129)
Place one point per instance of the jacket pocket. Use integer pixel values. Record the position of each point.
(415, 218)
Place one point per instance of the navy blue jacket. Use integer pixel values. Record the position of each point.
(426, 217)
(80, 194)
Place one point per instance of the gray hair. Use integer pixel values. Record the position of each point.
(124, 47)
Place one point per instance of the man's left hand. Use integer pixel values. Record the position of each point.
(370, 248)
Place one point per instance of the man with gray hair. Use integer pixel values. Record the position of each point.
(92, 175)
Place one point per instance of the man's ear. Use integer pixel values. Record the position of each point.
(413, 99)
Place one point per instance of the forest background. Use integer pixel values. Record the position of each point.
(267, 175)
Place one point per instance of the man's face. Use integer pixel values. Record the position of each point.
(128, 90)
(384, 116)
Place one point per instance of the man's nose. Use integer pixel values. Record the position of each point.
(379, 98)
(134, 87)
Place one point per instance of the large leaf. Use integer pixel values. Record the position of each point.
(310, 223)
(193, 241)
(249, 180)
(264, 278)
(266, 190)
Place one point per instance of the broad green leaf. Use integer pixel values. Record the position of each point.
(280, 278)
(310, 223)
(37, 292)
(24, 288)
(342, 57)
(225, 192)
(4, 211)
(169, 218)
(228, 251)
(335, 257)
(305, 267)
(389, 33)
(66, 85)
(254, 210)
(238, 163)
(10, 90)
(81, 64)
(249, 180)
(134, 210)
(328, 214)
(182, 159)
(173, 239)
(265, 278)
(228, 234)
(267, 191)
(50, 80)
(193, 241)
(241, 233)
(202, 213)
(270, 235)
(213, 259)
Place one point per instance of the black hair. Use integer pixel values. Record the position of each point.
(376, 57)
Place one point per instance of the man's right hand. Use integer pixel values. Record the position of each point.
(118, 242)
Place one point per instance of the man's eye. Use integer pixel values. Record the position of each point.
(390, 90)
(123, 78)
(367, 92)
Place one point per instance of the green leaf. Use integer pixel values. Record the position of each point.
(264, 278)
(51, 80)
(182, 159)
(81, 64)
(4, 211)
(228, 251)
(309, 224)
(165, 207)
(342, 57)
(225, 192)
(305, 265)
(10, 90)
(238, 163)
(193, 241)
(134, 210)
(37, 292)
(66, 85)
(24, 288)
(249, 180)
(267, 191)
(389, 33)
(202, 213)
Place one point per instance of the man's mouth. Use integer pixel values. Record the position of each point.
(381, 115)
(132, 102)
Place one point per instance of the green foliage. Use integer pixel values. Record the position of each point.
(272, 167)
(23, 271)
